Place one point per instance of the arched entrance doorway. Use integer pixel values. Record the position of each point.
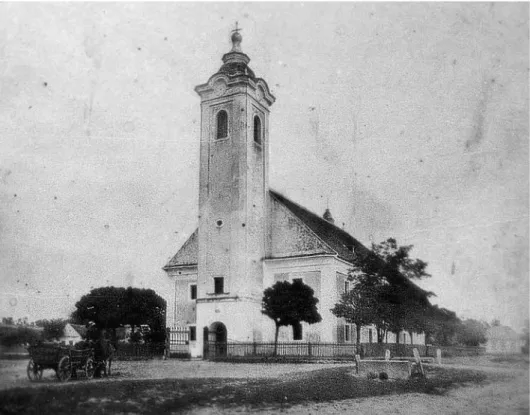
(217, 337)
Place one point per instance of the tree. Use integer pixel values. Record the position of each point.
(8, 321)
(441, 326)
(396, 260)
(390, 301)
(526, 337)
(22, 321)
(495, 322)
(19, 335)
(472, 332)
(111, 307)
(356, 306)
(288, 304)
(53, 329)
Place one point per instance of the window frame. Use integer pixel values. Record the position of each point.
(190, 291)
(257, 132)
(215, 285)
(217, 137)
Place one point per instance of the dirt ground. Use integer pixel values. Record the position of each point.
(13, 372)
(505, 391)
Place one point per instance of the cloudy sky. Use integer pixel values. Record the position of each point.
(407, 120)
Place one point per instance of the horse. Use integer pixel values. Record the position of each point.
(103, 355)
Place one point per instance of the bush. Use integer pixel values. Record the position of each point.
(136, 337)
(155, 336)
(21, 335)
(371, 375)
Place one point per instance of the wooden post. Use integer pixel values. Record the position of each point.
(167, 348)
(387, 354)
(417, 360)
(357, 363)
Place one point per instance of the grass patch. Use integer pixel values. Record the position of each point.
(174, 395)
(512, 359)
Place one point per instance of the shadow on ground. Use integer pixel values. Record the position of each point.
(174, 395)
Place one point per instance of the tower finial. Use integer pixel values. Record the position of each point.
(236, 39)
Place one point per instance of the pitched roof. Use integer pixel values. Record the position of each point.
(502, 332)
(336, 238)
(81, 330)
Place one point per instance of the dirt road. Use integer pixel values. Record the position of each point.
(505, 391)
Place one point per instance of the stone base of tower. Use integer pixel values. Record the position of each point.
(230, 320)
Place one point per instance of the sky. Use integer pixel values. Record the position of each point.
(407, 120)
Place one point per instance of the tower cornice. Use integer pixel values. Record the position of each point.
(220, 85)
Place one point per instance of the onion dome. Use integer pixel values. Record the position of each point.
(235, 62)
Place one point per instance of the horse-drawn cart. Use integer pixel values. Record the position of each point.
(66, 361)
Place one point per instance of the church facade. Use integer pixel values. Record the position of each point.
(249, 236)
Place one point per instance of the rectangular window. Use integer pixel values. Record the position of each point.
(347, 333)
(346, 286)
(193, 333)
(218, 285)
(193, 291)
(297, 331)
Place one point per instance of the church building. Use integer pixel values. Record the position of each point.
(249, 236)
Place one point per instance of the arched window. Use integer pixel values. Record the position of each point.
(257, 129)
(222, 124)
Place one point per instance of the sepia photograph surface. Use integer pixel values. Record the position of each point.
(264, 207)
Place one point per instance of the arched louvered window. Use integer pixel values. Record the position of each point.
(222, 124)
(257, 129)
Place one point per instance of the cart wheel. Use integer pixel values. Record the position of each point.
(90, 368)
(64, 371)
(34, 371)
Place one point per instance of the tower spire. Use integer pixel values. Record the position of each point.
(236, 39)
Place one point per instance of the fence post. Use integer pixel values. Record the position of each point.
(167, 351)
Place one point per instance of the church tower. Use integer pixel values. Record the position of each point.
(233, 190)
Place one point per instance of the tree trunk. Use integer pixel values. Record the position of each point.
(358, 333)
(276, 340)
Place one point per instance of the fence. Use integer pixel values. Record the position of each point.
(291, 350)
(177, 342)
(132, 351)
(329, 351)
(457, 351)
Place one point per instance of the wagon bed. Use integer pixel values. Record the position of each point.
(66, 361)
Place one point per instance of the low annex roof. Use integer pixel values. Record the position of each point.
(188, 254)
